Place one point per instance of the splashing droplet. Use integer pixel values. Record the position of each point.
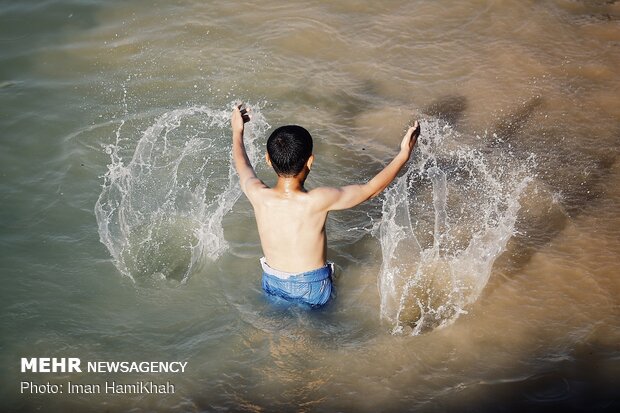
(444, 223)
(161, 213)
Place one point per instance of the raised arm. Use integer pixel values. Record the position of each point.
(247, 176)
(352, 195)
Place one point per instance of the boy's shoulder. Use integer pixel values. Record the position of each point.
(323, 191)
(258, 191)
(324, 196)
(254, 188)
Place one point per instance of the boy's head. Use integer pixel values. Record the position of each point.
(289, 148)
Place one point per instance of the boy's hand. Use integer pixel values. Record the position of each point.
(239, 116)
(410, 138)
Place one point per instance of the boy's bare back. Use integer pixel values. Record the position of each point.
(291, 225)
(291, 220)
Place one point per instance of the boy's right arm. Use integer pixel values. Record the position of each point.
(247, 177)
(352, 195)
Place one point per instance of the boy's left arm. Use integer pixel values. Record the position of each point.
(247, 176)
(351, 195)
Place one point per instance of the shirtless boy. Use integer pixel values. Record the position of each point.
(291, 219)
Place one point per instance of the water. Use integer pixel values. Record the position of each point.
(438, 255)
(162, 212)
(483, 279)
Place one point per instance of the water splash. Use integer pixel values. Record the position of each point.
(444, 223)
(161, 213)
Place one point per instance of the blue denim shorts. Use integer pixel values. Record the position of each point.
(311, 287)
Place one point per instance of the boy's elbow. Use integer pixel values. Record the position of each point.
(375, 194)
(369, 191)
(243, 184)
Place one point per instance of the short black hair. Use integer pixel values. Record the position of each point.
(289, 148)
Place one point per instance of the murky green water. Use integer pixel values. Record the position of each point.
(485, 279)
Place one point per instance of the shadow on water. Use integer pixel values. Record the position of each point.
(567, 179)
(476, 197)
(346, 105)
(510, 126)
(449, 108)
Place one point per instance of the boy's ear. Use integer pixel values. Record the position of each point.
(310, 161)
(267, 158)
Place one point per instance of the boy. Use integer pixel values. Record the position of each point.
(290, 219)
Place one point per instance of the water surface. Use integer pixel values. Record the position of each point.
(484, 279)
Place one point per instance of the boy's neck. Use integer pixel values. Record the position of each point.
(290, 184)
